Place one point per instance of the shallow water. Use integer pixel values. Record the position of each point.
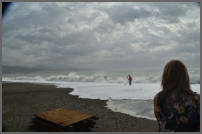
(135, 100)
(137, 108)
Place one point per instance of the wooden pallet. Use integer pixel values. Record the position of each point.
(64, 120)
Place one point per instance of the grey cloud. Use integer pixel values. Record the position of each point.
(49, 15)
(125, 13)
(57, 37)
(170, 13)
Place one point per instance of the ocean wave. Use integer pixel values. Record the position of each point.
(99, 77)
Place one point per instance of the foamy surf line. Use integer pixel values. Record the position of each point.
(94, 77)
(135, 108)
(135, 100)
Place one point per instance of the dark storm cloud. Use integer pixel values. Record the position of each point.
(101, 35)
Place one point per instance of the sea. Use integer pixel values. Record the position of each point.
(135, 100)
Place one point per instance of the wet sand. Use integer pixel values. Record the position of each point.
(20, 101)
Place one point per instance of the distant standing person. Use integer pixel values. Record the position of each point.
(130, 79)
(177, 107)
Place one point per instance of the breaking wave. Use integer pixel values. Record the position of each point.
(100, 77)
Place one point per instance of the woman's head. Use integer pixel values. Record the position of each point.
(175, 77)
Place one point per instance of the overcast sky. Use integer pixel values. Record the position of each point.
(101, 36)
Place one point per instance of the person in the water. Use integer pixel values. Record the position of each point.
(130, 79)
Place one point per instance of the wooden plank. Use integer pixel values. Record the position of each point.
(64, 117)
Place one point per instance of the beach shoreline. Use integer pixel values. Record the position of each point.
(20, 101)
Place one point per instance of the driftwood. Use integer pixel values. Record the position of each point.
(63, 120)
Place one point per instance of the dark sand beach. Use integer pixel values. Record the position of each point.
(20, 101)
